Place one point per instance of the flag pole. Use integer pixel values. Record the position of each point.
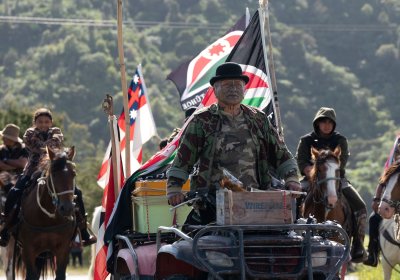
(112, 121)
(270, 63)
(124, 92)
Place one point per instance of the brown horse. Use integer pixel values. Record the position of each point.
(48, 221)
(325, 200)
(6, 253)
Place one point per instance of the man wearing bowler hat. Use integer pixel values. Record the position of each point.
(228, 136)
(13, 154)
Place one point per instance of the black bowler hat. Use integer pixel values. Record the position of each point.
(229, 70)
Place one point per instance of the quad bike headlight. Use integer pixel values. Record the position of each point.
(219, 259)
(318, 258)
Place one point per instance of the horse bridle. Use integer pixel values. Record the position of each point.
(320, 182)
(54, 195)
(393, 203)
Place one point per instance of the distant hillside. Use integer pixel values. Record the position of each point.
(340, 54)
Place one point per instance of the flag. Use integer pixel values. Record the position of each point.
(142, 128)
(393, 153)
(109, 195)
(249, 53)
(192, 77)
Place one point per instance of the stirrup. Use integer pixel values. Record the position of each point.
(92, 240)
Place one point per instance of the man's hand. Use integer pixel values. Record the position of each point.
(375, 206)
(4, 166)
(176, 198)
(294, 186)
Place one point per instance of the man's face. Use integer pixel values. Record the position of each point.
(229, 92)
(325, 126)
(8, 142)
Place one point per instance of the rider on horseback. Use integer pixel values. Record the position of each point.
(324, 136)
(13, 154)
(36, 138)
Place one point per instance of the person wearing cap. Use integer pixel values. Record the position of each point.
(228, 136)
(324, 136)
(36, 138)
(13, 154)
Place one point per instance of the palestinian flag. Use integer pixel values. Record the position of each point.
(192, 77)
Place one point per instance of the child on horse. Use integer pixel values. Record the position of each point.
(324, 136)
(13, 154)
(41, 135)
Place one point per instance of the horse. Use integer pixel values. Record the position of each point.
(390, 246)
(47, 219)
(6, 253)
(389, 229)
(325, 200)
(390, 200)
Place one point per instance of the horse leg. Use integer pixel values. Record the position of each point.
(387, 270)
(62, 262)
(29, 259)
(32, 272)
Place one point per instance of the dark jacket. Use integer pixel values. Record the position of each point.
(313, 139)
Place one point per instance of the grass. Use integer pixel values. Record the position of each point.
(363, 272)
(77, 270)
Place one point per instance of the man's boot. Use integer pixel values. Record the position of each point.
(87, 238)
(358, 253)
(373, 253)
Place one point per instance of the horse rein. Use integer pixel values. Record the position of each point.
(43, 180)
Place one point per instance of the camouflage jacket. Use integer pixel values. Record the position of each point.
(36, 142)
(198, 143)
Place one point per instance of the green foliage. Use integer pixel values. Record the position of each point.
(342, 54)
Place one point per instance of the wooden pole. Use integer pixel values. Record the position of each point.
(109, 110)
(275, 102)
(124, 91)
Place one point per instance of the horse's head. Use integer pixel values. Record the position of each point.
(390, 201)
(61, 180)
(325, 176)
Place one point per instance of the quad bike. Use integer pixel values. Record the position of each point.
(284, 251)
